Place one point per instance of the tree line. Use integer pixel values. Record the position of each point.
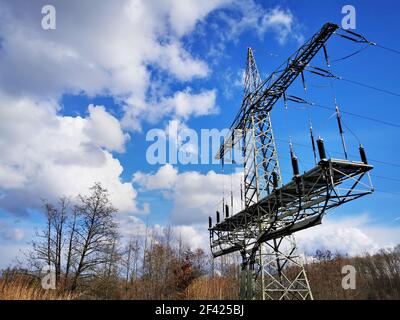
(82, 245)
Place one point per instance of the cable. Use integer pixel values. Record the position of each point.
(358, 115)
(352, 132)
(362, 39)
(386, 163)
(372, 119)
(388, 192)
(385, 178)
(327, 74)
(370, 87)
(387, 48)
(350, 55)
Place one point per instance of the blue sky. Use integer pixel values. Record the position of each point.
(142, 65)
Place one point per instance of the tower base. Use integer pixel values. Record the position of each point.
(278, 273)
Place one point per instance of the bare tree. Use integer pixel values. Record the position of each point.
(59, 219)
(130, 261)
(48, 249)
(71, 242)
(96, 232)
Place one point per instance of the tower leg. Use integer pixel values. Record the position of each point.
(282, 272)
(246, 278)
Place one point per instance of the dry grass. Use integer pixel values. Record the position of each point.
(216, 288)
(24, 288)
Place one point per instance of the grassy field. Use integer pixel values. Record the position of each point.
(27, 288)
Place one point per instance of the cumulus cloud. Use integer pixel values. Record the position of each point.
(112, 50)
(282, 22)
(185, 104)
(90, 56)
(180, 106)
(181, 64)
(355, 234)
(104, 129)
(194, 237)
(165, 178)
(195, 196)
(48, 155)
(184, 15)
(118, 55)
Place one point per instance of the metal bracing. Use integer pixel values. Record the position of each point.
(282, 272)
(263, 231)
(259, 149)
(263, 97)
(297, 205)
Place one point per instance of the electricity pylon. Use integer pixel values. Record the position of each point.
(263, 231)
(261, 172)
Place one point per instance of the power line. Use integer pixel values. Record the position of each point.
(386, 163)
(387, 192)
(350, 55)
(385, 178)
(359, 116)
(370, 87)
(361, 39)
(387, 48)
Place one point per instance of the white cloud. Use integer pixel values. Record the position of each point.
(181, 105)
(184, 13)
(104, 129)
(116, 46)
(281, 22)
(186, 104)
(193, 236)
(181, 64)
(92, 56)
(47, 155)
(109, 51)
(62, 154)
(165, 178)
(355, 234)
(9, 252)
(131, 226)
(195, 196)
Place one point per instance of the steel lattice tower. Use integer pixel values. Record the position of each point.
(263, 276)
(263, 231)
